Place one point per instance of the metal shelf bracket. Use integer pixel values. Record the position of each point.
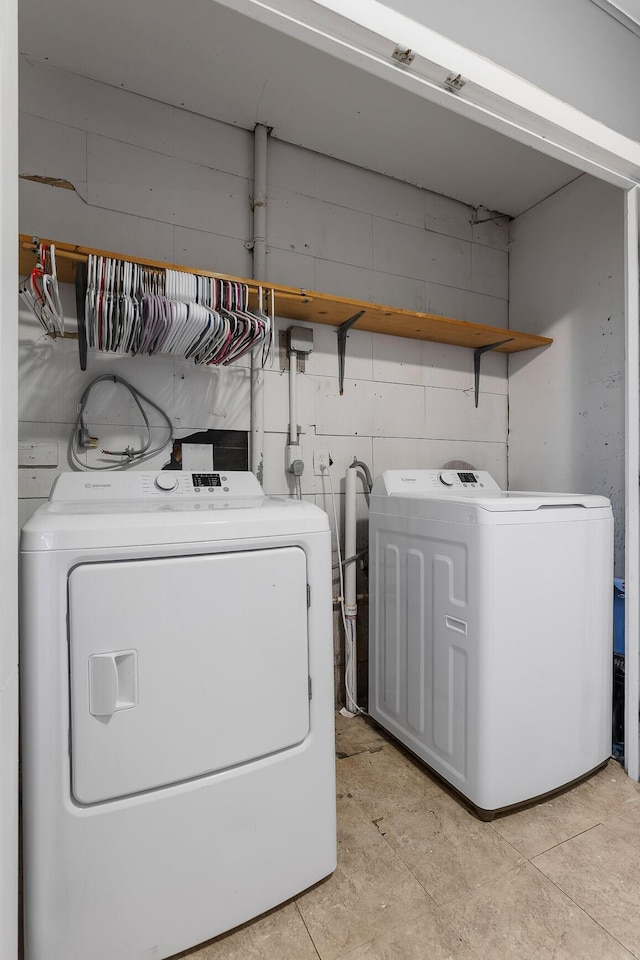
(342, 333)
(81, 293)
(476, 362)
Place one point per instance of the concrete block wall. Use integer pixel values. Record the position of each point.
(158, 182)
(567, 408)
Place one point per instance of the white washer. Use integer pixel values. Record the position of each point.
(177, 709)
(490, 631)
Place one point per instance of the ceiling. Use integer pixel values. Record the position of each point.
(215, 62)
(626, 12)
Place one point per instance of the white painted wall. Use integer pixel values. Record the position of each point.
(8, 502)
(571, 49)
(159, 182)
(566, 402)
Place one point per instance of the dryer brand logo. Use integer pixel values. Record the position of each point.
(94, 486)
(408, 479)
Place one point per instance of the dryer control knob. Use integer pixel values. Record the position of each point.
(166, 481)
(447, 477)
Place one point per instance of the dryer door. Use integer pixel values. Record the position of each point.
(184, 666)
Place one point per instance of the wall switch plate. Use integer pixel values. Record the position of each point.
(321, 462)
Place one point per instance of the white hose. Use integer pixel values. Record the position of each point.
(348, 623)
(259, 273)
(350, 541)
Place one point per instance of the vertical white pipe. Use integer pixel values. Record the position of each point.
(259, 272)
(351, 477)
(351, 666)
(350, 607)
(293, 397)
(632, 503)
(260, 135)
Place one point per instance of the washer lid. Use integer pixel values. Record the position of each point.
(517, 500)
(469, 487)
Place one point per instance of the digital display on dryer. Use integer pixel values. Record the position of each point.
(467, 477)
(206, 479)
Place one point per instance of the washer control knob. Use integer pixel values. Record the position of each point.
(166, 481)
(447, 477)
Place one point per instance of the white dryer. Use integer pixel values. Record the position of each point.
(490, 631)
(177, 710)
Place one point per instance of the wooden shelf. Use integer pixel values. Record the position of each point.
(292, 303)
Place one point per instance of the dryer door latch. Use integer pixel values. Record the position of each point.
(113, 682)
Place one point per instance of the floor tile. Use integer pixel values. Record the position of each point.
(608, 792)
(382, 778)
(448, 849)
(353, 735)
(627, 824)
(576, 901)
(370, 893)
(278, 935)
(523, 916)
(429, 937)
(601, 872)
(536, 829)
(542, 826)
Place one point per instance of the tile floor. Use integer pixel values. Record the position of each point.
(420, 877)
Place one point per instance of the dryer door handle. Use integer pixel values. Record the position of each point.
(113, 682)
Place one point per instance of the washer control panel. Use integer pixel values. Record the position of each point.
(164, 481)
(417, 483)
(453, 478)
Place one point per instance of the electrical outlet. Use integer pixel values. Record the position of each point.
(321, 462)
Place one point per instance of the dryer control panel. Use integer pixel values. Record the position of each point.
(147, 484)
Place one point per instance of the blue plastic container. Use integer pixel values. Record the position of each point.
(618, 616)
